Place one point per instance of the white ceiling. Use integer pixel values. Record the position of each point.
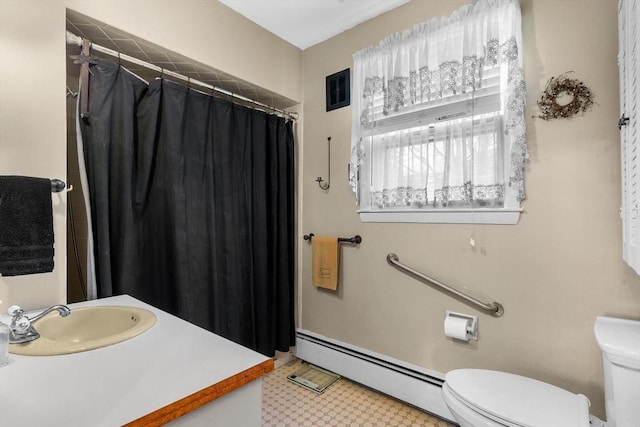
(304, 23)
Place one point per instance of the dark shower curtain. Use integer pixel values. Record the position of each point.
(192, 203)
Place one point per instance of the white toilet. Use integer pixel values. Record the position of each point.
(483, 398)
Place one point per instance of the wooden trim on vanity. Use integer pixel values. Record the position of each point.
(202, 397)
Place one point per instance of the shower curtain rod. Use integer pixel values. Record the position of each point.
(77, 40)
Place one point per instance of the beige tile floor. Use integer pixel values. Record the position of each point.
(344, 403)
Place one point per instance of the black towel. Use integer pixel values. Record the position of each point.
(26, 226)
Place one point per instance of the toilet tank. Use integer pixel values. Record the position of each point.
(619, 340)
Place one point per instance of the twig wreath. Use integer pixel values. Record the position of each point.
(580, 98)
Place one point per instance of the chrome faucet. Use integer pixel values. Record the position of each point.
(21, 328)
(62, 309)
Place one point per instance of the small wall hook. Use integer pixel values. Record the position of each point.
(319, 180)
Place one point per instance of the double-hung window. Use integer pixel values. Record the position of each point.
(438, 131)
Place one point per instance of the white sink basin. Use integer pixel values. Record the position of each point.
(85, 329)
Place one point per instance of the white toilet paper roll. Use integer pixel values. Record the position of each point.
(456, 327)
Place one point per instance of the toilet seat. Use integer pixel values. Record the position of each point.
(515, 401)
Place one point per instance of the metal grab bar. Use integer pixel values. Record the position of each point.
(494, 308)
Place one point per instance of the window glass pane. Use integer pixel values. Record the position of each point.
(453, 163)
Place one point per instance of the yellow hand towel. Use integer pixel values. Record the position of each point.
(325, 262)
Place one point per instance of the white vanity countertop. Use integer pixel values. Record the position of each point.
(117, 384)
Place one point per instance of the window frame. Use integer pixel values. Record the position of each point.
(506, 216)
(418, 69)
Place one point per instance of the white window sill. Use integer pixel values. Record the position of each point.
(445, 216)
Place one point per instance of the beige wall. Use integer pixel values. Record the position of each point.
(555, 271)
(33, 78)
(32, 128)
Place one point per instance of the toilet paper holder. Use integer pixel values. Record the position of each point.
(471, 324)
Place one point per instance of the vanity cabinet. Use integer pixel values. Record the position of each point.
(174, 373)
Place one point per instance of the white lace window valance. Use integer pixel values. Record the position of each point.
(438, 114)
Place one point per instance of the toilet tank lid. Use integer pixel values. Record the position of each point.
(619, 339)
(517, 400)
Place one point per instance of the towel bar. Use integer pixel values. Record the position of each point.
(494, 308)
(355, 239)
(57, 185)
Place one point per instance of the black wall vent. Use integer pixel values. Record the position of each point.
(338, 90)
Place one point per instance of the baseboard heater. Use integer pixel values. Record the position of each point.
(412, 384)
